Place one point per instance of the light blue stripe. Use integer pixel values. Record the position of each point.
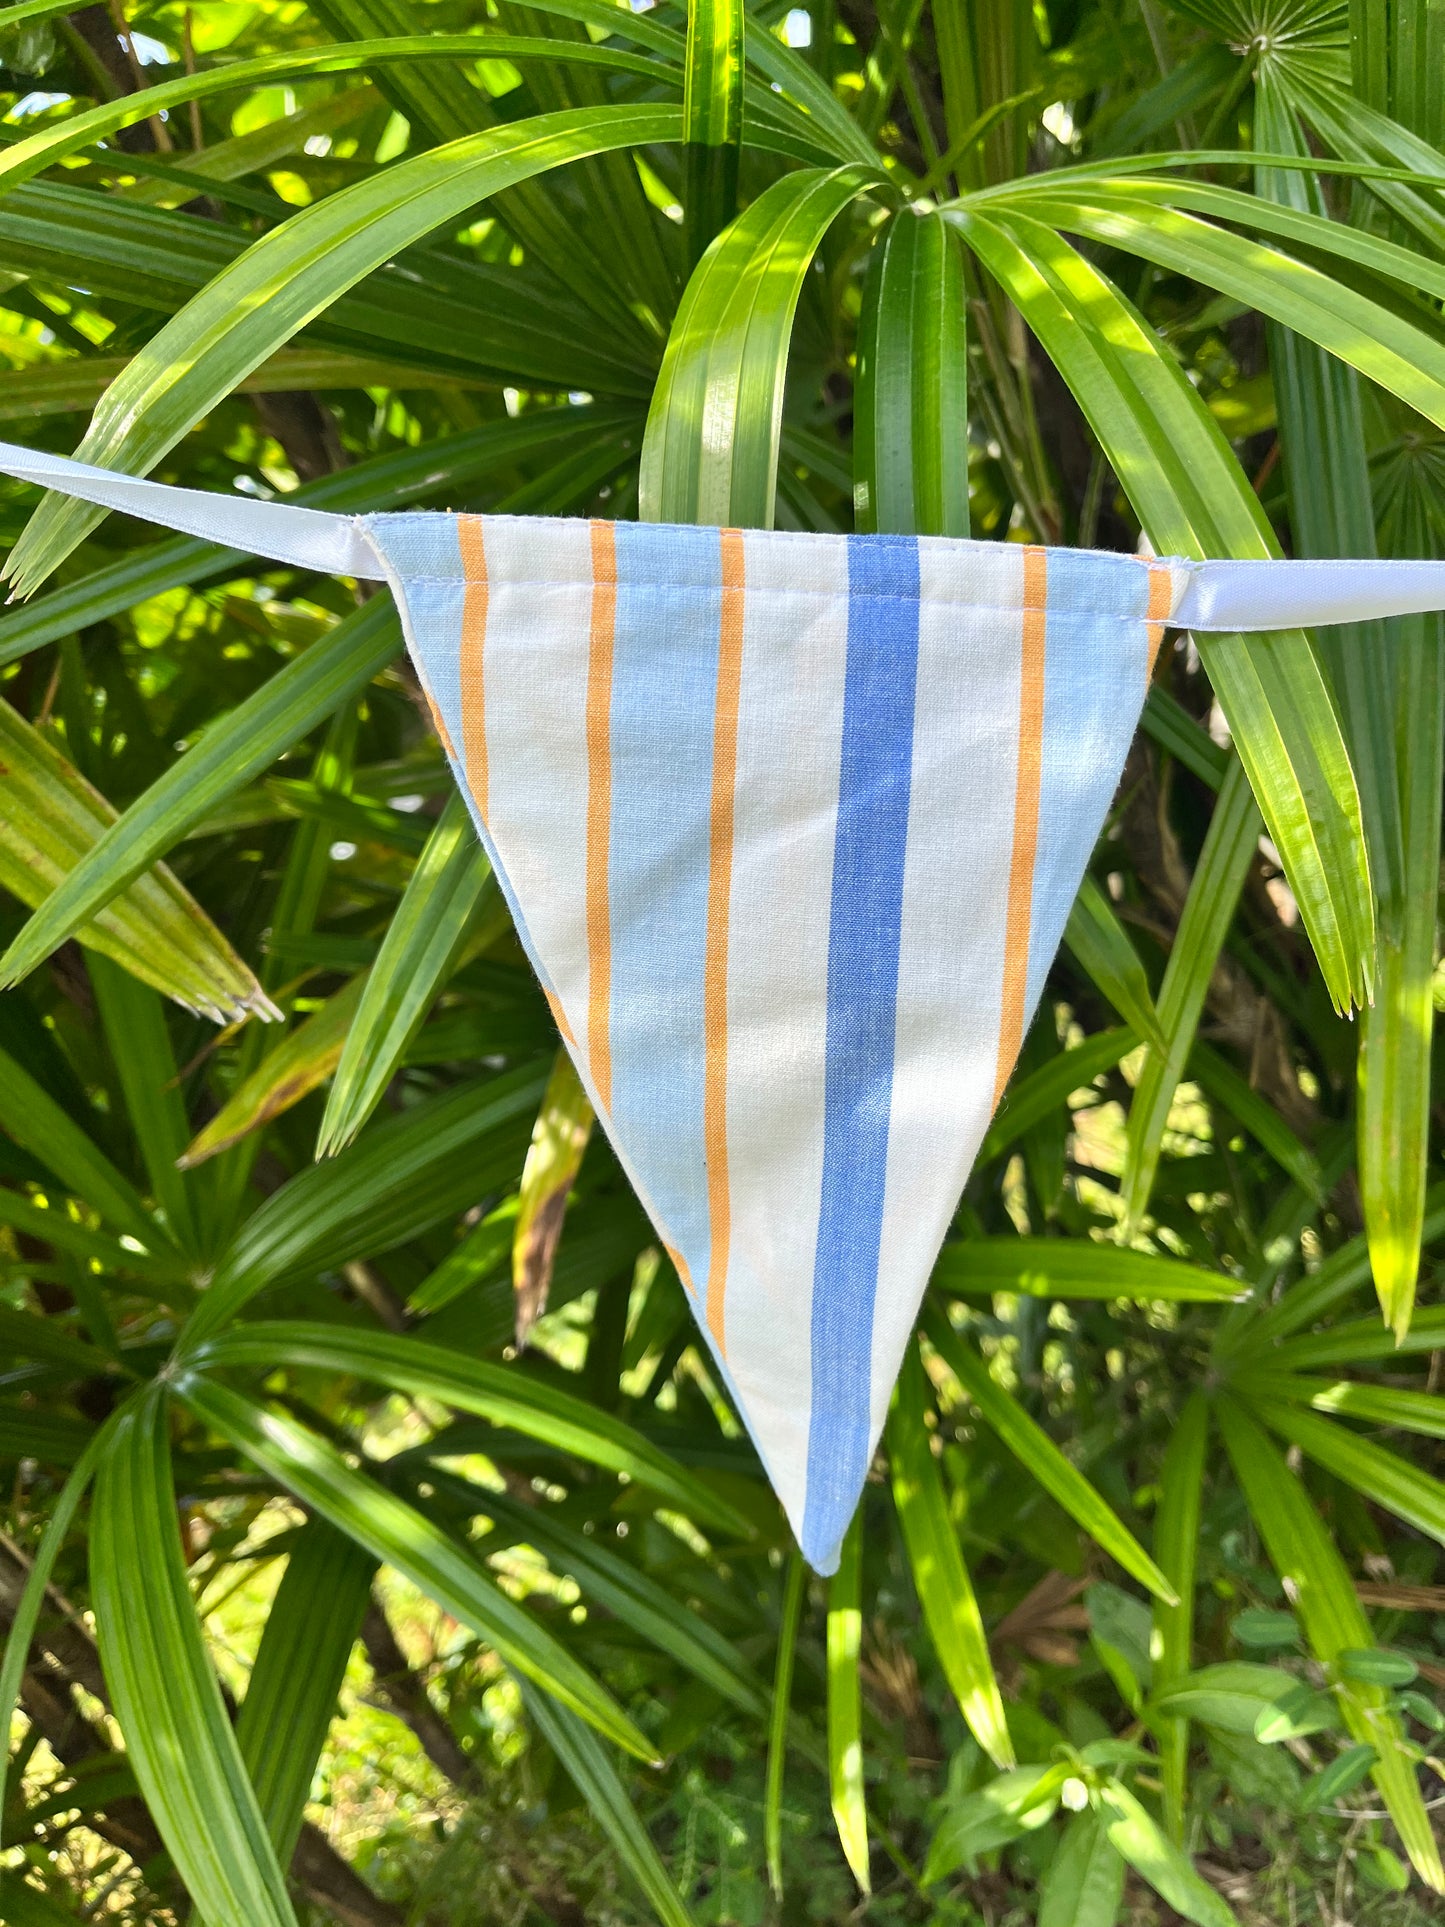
(664, 684)
(863, 944)
(1096, 655)
(425, 554)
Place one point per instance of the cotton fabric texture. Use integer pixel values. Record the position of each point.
(790, 826)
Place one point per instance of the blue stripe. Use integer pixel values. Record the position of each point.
(664, 685)
(1093, 690)
(863, 943)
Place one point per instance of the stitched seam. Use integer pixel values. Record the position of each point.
(799, 538)
(802, 539)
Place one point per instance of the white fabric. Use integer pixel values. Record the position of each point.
(955, 911)
(541, 582)
(789, 733)
(1232, 596)
(310, 538)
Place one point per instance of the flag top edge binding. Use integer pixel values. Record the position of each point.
(1260, 594)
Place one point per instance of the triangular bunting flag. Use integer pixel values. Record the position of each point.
(790, 826)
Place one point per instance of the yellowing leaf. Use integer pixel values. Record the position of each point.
(49, 817)
(559, 1139)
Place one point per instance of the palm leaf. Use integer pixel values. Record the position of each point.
(499, 1393)
(598, 1781)
(910, 447)
(712, 112)
(300, 1664)
(282, 712)
(945, 1590)
(711, 452)
(845, 1705)
(1333, 1619)
(178, 1737)
(316, 1473)
(421, 947)
(288, 277)
(148, 923)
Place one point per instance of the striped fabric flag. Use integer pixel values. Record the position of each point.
(790, 826)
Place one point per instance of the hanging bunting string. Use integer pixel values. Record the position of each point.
(790, 826)
(1218, 596)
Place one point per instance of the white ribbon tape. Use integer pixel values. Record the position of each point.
(1217, 595)
(310, 538)
(1298, 595)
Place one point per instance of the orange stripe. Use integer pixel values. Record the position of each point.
(1026, 817)
(437, 720)
(559, 1017)
(599, 808)
(680, 1263)
(719, 893)
(472, 543)
(1161, 596)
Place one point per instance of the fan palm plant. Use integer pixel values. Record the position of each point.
(1074, 274)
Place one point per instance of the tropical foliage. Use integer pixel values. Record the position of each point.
(1143, 1607)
